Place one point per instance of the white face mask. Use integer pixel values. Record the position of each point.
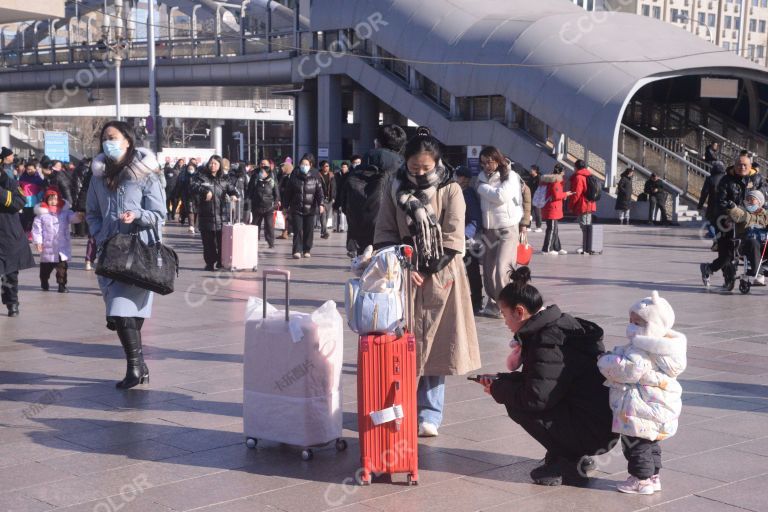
(305, 169)
(752, 208)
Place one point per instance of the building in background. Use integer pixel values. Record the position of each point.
(739, 26)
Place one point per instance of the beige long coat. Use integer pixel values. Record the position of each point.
(443, 321)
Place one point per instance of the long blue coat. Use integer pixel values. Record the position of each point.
(141, 191)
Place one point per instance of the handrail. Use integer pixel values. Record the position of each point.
(665, 150)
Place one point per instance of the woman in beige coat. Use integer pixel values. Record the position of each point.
(424, 207)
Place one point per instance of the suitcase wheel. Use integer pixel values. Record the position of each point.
(364, 478)
(307, 454)
(412, 480)
(341, 445)
(745, 286)
(251, 443)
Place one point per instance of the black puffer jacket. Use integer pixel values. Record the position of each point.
(732, 189)
(709, 191)
(62, 181)
(624, 194)
(211, 213)
(560, 371)
(263, 194)
(171, 179)
(304, 192)
(14, 246)
(363, 190)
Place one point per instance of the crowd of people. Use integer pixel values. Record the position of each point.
(563, 388)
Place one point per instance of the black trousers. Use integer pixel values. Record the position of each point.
(268, 219)
(653, 205)
(726, 252)
(303, 232)
(171, 202)
(563, 435)
(211, 247)
(27, 218)
(552, 237)
(10, 288)
(475, 281)
(46, 269)
(644, 456)
(536, 214)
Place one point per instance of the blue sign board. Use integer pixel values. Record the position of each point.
(57, 146)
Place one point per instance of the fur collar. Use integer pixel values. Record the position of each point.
(143, 165)
(551, 178)
(674, 343)
(42, 208)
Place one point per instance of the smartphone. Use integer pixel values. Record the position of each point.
(478, 378)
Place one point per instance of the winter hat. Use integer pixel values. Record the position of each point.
(758, 196)
(657, 313)
(5, 152)
(288, 160)
(52, 191)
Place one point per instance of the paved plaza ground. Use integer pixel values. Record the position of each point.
(70, 441)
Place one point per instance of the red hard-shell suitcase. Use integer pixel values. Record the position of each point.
(386, 397)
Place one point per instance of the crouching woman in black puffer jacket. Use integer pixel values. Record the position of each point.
(558, 397)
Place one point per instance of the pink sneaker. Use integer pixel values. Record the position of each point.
(634, 485)
(656, 481)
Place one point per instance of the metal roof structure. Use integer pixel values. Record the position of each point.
(572, 69)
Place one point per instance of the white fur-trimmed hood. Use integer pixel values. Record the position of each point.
(672, 344)
(43, 210)
(143, 165)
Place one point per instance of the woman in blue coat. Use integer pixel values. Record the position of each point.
(125, 195)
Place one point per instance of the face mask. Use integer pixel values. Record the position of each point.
(752, 208)
(191, 170)
(304, 169)
(424, 181)
(635, 330)
(263, 174)
(112, 149)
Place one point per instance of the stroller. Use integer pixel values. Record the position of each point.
(751, 247)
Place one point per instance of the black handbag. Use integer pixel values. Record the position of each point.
(127, 259)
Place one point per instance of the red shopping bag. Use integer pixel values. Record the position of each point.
(524, 250)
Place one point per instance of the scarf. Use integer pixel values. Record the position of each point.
(414, 195)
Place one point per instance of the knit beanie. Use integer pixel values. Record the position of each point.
(657, 313)
(758, 196)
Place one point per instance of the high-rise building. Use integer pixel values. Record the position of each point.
(739, 26)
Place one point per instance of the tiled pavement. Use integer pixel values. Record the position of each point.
(70, 441)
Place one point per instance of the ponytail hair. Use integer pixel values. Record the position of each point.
(423, 142)
(520, 292)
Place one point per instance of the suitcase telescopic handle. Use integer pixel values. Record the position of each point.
(277, 272)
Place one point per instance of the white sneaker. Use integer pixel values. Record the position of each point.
(656, 481)
(562, 252)
(537, 230)
(427, 430)
(297, 255)
(88, 265)
(634, 485)
(760, 280)
(554, 253)
(579, 251)
(192, 229)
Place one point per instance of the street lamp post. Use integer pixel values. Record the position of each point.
(686, 19)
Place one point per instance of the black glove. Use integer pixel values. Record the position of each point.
(436, 265)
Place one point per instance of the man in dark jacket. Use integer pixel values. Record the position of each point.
(263, 196)
(172, 173)
(712, 153)
(473, 226)
(731, 192)
(341, 180)
(366, 184)
(708, 194)
(559, 397)
(283, 177)
(15, 254)
(657, 199)
(304, 197)
(329, 194)
(56, 177)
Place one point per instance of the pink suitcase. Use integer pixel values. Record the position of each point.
(239, 246)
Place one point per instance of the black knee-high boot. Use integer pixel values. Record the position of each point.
(129, 332)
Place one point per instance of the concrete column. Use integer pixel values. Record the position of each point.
(5, 130)
(329, 116)
(305, 118)
(216, 135)
(366, 108)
